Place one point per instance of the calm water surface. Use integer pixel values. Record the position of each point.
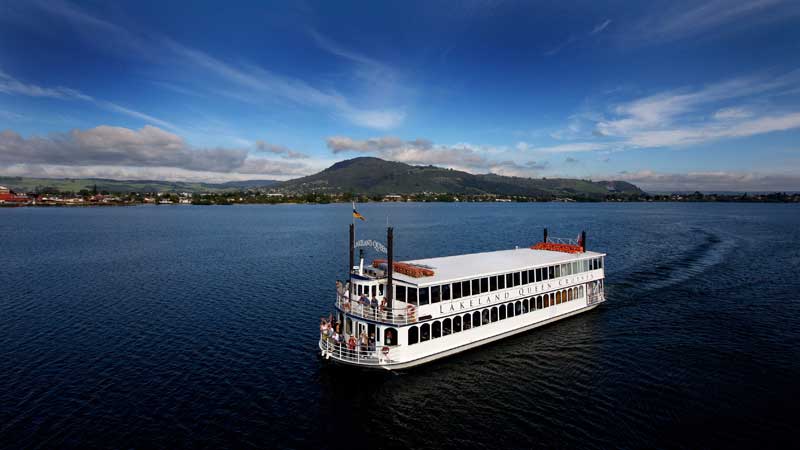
(196, 327)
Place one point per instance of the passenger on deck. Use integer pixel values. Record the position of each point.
(374, 304)
(351, 345)
(372, 342)
(364, 343)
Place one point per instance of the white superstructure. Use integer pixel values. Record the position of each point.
(431, 308)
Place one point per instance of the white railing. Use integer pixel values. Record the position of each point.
(395, 316)
(597, 297)
(362, 355)
(558, 240)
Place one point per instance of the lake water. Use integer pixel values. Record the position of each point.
(197, 327)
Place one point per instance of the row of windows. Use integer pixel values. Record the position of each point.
(439, 328)
(453, 291)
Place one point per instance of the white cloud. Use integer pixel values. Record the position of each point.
(108, 147)
(732, 113)
(600, 27)
(275, 149)
(712, 181)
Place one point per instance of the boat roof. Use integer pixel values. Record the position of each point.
(476, 265)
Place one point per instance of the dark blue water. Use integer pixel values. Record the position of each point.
(196, 327)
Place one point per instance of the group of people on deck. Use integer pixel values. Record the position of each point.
(369, 307)
(330, 331)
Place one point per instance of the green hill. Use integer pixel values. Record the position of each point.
(374, 176)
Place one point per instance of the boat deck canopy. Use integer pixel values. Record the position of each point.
(475, 265)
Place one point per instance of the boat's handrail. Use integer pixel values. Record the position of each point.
(394, 316)
(368, 357)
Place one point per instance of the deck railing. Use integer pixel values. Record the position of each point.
(597, 297)
(394, 316)
(359, 355)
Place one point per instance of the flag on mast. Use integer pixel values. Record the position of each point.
(356, 214)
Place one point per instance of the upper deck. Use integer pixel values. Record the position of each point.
(460, 267)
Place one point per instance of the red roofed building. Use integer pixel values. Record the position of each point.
(12, 198)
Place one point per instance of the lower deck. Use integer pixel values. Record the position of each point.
(414, 344)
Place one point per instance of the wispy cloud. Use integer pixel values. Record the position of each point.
(686, 20)
(248, 82)
(599, 28)
(12, 86)
(734, 108)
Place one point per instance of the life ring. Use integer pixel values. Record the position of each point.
(412, 312)
(385, 350)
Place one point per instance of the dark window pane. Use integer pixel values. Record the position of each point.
(551, 272)
(413, 335)
(476, 318)
(437, 330)
(509, 280)
(400, 293)
(467, 321)
(446, 327)
(539, 274)
(493, 283)
(502, 312)
(412, 296)
(476, 286)
(424, 332)
(501, 282)
(484, 285)
(435, 295)
(485, 315)
(494, 314)
(456, 290)
(423, 296)
(445, 292)
(456, 324)
(465, 288)
(525, 277)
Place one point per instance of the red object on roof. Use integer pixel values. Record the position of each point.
(406, 268)
(553, 247)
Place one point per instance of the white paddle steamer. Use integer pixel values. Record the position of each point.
(394, 315)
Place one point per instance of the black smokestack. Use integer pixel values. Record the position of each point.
(352, 247)
(545, 235)
(390, 266)
(583, 241)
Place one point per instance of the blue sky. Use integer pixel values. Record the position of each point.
(668, 95)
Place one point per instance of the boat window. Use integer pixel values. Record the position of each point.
(558, 297)
(518, 308)
(494, 314)
(525, 303)
(502, 311)
(400, 293)
(485, 315)
(456, 324)
(484, 285)
(509, 280)
(551, 273)
(348, 326)
(446, 291)
(413, 335)
(546, 301)
(465, 288)
(538, 274)
(423, 296)
(575, 268)
(435, 295)
(446, 327)
(467, 321)
(516, 279)
(424, 332)
(456, 290)
(476, 286)
(493, 283)
(510, 310)
(570, 294)
(601, 262)
(501, 282)
(358, 289)
(524, 277)
(389, 336)
(380, 290)
(476, 318)
(412, 296)
(558, 271)
(437, 330)
(539, 303)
